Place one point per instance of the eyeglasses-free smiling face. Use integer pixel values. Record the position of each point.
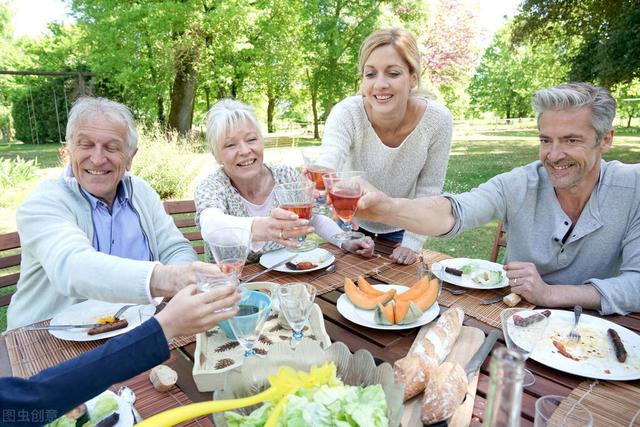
(99, 156)
(569, 150)
(386, 80)
(242, 153)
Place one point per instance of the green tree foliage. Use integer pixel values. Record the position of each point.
(628, 97)
(608, 32)
(507, 76)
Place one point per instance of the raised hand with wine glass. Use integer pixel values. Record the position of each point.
(345, 189)
(298, 197)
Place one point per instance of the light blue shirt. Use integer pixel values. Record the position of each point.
(118, 232)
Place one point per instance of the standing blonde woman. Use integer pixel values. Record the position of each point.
(241, 192)
(399, 137)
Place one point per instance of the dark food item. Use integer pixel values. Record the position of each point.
(108, 327)
(79, 414)
(621, 353)
(303, 265)
(109, 421)
(526, 321)
(453, 271)
(563, 350)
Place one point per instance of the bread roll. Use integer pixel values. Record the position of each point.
(413, 370)
(512, 299)
(163, 377)
(444, 393)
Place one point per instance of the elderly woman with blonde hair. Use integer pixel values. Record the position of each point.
(400, 138)
(241, 192)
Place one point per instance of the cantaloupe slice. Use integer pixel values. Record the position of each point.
(417, 289)
(366, 287)
(363, 300)
(384, 314)
(428, 297)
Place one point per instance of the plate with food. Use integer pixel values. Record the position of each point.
(383, 311)
(95, 312)
(471, 273)
(304, 262)
(107, 409)
(605, 350)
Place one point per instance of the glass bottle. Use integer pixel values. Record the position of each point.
(504, 397)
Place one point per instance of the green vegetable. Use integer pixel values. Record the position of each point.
(469, 268)
(104, 405)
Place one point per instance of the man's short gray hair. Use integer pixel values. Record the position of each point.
(87, 106)
(224, 117)
(576, 96)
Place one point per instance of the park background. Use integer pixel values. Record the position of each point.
(292, 60)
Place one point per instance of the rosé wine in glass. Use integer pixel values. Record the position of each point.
(298, 198)
(344, 190)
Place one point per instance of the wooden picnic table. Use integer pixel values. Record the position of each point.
(384, 345)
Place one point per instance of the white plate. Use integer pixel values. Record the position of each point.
(366, 317)
(595, 338)
(88, 312)
(465, 280)
(124, 409)
(319, 256)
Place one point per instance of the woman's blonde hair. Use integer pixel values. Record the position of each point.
(225, 117)
(402, 40)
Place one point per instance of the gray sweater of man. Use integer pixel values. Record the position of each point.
(603, 249)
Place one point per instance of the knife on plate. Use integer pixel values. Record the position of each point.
(260, 273)
(59, 327)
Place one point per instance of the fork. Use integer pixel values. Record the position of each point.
(121, 310)
(454, 291)
(574, 335)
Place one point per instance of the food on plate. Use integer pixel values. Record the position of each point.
(454, 271)
(488, 278)
(106, 319)
(445, 391)
(469, 268)
(108, 327)
(529, 320)
(366, 287)
(302, 265)
(163, 377)
(621, 353)
(416, 289)
(330, 404)
(103, 410)
(512, 299)
(363, 300)
(397, 312)
(415, 369)
(563, 350)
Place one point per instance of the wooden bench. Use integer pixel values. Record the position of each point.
(182, 211)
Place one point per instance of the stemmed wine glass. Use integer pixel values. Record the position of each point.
(523, 329)
(230, 247)
(247, 325)
(298, 198)
(314, 172)
(296, 301)
(345, 190)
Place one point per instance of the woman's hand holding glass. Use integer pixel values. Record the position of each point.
(297, 197)
(281, 226)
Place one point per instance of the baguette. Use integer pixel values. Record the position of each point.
(512, 299)
(426, 355)
(444, 392)
(163, 377)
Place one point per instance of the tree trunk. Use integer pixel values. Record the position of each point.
(184, 93)
(313, 90)
(161, 117)
(271, 105)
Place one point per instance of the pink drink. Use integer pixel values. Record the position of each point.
(345, 202)
(303, 210)
(229, 265)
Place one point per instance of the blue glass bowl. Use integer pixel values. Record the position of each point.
(255, 298)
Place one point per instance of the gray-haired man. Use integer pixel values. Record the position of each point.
(97, 232)
(573, 219)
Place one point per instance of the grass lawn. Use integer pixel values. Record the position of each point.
(475, 157)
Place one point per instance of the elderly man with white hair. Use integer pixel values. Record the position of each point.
(97, 232)
(572, 218)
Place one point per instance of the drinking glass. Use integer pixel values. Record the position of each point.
(207, 280)
(230, 248)
(558, 411)
(345, 190)
(247, 325)
(298, 198)
(523, 338)
(314, 172)
(295, 301)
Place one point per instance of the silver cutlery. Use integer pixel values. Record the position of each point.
(121, 310)
(492, 300)
(130, 397)
(58, 327)
(454, 291)
(260, 273)
(331, 269)
(574, 335)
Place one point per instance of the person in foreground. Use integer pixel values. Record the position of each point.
(59, 389)
(400, 138)
(572, 219)
(241, 192)
(97, 232)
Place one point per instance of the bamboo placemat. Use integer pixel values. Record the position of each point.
(612, 403)
(32, 351)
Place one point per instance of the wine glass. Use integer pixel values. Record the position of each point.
(523, 329)
(230, 247)
(314, 172)
(298, 198)
(345, 190)
(560, 411)
(296, 300)
(247, 324)
(207, 280)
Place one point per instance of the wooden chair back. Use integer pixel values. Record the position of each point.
(9, 266)
(183, 213)
(500, 241)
